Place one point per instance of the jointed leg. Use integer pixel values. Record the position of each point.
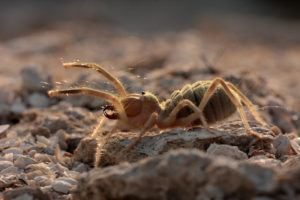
(249, 105)
(98, 127)
(92, 92)
(234, 97)
(117, 84)
(149, 124)
(185, 103)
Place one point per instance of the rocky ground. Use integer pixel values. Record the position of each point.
(46, 148)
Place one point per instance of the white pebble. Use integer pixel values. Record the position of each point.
(5, 164)
(9, 157)
(23, 161)
(61, 186)
(68, 179)
(3, 128)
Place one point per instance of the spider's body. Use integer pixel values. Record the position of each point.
(218, 107)
(202, 103)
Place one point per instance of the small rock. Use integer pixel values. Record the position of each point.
(42, 131)
(32, 80)
(13, 150)
(18, 106)
(23, 161)
(9, 157)
(3, 128)
(38, 100)
(8, 142)
(262, 177)
(265, 161)
(61, 186)
(69, 180)
(10, 170)
(226, 150)
(42, 181)
(41, 157)
(25, 193)
(5, 164)
(86, 151)
(80, 167)
(282, 145)
(293, 162)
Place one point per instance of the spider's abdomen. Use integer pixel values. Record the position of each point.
(218, 107)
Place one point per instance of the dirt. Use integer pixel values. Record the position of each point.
(47, 151)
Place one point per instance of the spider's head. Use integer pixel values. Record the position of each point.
(137, 107)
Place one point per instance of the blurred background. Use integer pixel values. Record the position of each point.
(137, 16)
(144, 39)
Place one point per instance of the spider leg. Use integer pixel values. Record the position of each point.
(234, 97)
(98, 127)
(117, 84)
(92, 92)
(249, 105)
(149, 124)
(169, 120)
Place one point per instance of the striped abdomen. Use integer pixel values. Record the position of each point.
(218, 107)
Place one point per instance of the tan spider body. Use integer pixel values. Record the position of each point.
(202, 103)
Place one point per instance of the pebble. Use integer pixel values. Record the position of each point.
(61, 186)
(23, 161)
(10, 170)
(5, 164)
(38, 100)
(41, 157)
(18, 106)
(25, 193)
(32, 79)
(3, 128)
(69, 180)
(9, 157)
(226, 150)
(13, 150)
(81, 167)
(42, 180)
(8, 142)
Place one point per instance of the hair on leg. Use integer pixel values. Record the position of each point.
(116, 83)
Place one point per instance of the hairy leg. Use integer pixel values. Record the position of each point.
(168, 121)
(234, 97)
(92, 92)
(249, 105)
(149, 124)
(98, 127)
(117, 84)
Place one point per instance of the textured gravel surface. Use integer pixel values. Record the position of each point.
(47, 150)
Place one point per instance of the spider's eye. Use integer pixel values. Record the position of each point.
(143, 93)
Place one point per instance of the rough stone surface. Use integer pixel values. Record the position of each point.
(166, 177)
(226, 150)
(26, 193)
(23, 161)
(61, 186)
(111, 150)
(56, 134)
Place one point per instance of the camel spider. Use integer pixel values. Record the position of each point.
(200, 103)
